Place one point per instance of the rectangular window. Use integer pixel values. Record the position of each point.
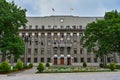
(88, 59)
(75, 51)
(35, 51)
(108, 59)
(29, 59)
(35, 60)
(95, 60)
(42, 51)
(81, 51)
(43, 26)
(49, 51)
(42, 59)
(30, 26)
(36, 26)
(48, 59)
(29, 51)
(75, 60)
(82, 59)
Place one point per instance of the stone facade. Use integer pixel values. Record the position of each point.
(56, 39)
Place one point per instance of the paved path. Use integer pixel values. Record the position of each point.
(63, 76)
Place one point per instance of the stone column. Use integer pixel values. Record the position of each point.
(39, 46)
(45, 49)
(32, 47)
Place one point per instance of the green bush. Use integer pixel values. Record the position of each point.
(101, 65)
(40, 67)
(30, 65)
(19, 65)
(25, 66)
(84, 64)
(5, 67)
(112, 66)
(47, 64)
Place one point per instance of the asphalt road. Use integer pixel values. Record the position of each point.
(30, 75)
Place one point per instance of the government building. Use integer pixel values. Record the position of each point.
(56, 39)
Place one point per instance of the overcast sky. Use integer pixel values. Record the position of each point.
(62, 7)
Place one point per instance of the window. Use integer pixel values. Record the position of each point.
(68, 50)
(95, 60)
(30, 26)
(48, 60)
(62, 35)
(49, 51)
(36, 42)
(29, 51)
(29, 59)
(49, 35)
(108, 59)
(74, 27)
(80, 27)
(55, 27)
(75, 51)
(81, 51)
(68, 27)
(62, 27)
(36, 26)
(75, 59)
(82, 59)
(42, 59)
(49, 26)
(42, 43)
(88, 59)
(42, 51)
(35, 51)
(35, 60)
(24, 27)
(43, 26)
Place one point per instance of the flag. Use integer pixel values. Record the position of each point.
(53, 9)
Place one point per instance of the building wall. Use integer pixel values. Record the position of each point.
(57, 36)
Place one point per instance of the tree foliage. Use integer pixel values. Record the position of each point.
(11, 18)
(103, 36)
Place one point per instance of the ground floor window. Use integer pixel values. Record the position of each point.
(82, 59)
(48, 60)
(75, 60)
(35, 60)
(42, 59)
(29, 59)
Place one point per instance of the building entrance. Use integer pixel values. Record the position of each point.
(68, 61)
(55, 61)
(62, 61)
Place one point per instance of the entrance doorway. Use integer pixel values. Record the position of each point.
(55, 61)
(62, 61)
(68, 61)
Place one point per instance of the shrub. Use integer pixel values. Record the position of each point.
(112, 66)
(84, 64)
(30, 65)
(5, 67)
(40, 67)
(47, 64)
(25, 66)
(101, 65)
(19, 65)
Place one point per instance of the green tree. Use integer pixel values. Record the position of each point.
(11, 18)
(103, 36)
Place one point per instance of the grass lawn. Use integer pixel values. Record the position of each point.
(71, 69)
